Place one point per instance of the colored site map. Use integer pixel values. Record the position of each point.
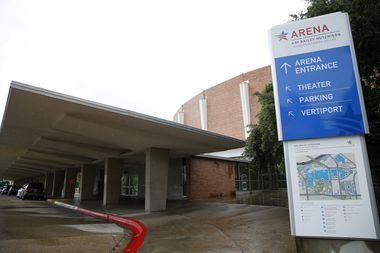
(328, 177)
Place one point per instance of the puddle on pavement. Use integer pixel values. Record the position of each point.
(105, 228)
(264, 199)
(260, 198)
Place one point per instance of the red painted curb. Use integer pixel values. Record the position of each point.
(138, 229)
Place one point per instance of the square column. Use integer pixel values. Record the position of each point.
(58, 181)
(87, 180)
(112, 181)
(49, 177)
(69, 185)
(156, 179)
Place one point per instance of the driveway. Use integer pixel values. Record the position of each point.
(39, 226)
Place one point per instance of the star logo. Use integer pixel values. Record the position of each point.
(282, 36)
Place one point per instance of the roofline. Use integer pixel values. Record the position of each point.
(212, 157)
(5, 109)
(113, 109)
(221, 83)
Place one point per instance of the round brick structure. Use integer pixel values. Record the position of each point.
(225, 104)
(226, 108)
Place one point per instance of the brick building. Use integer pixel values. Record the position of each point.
(226, 108)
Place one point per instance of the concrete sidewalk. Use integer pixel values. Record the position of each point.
(40, 227)
(209, 227)
(219, 227)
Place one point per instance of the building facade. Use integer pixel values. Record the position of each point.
(227, 108)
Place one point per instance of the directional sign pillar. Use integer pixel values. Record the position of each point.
(321, 120)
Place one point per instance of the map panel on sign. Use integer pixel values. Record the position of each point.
(329, 185)
(328, 177)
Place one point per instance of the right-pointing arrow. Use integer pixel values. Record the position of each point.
(290, 113)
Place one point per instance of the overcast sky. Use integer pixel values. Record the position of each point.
(145, 56)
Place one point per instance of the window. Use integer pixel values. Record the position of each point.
(246, 178)
(129, 185)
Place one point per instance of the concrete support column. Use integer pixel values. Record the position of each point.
(87, 181)
(156, 179)
(58, 180)
(42, 178)
(69, 185)
(49, 177)
(112, 181)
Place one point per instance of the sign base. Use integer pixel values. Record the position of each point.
(309, 245)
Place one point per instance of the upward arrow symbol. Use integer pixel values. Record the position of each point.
(285, 66)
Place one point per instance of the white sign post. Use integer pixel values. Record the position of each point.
(321, 119)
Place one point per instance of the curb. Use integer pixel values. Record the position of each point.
(138, 229)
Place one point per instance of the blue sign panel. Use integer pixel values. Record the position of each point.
(318, 95)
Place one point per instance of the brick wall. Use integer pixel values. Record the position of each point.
(258, 79)
(210, 178)
(224, 105)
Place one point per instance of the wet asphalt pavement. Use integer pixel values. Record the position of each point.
(39, 226)
(218, 228)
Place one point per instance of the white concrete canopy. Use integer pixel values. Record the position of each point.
(43, 131)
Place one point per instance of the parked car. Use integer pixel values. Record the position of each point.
(19, 192)
(13, 190)
(33, 190)
(6, 189)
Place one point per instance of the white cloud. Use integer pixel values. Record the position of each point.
(146, 56)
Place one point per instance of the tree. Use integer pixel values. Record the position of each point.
(365, 26)
(262, 145)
